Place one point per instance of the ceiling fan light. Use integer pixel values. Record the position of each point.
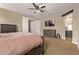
(37, 11)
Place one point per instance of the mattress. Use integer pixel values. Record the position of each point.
(18, 43)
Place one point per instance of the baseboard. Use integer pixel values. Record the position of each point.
(63, 38)
(74, 42)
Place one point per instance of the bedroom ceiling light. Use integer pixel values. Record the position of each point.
(37, 11)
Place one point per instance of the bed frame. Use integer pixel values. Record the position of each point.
(8, 28)
(38, 50)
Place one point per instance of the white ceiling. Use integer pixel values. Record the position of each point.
(52, 9)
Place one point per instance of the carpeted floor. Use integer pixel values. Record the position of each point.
(53, 46)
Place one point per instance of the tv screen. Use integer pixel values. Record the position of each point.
(49, 23)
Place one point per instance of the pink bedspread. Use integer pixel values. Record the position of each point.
(18, 43)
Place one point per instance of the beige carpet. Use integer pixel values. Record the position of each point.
(55, 46)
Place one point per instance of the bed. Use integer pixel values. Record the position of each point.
(20, 43)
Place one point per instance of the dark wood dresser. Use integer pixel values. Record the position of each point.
(49, 33)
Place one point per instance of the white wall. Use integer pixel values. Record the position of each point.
(60, 27)
(75, 26)
(8, 17)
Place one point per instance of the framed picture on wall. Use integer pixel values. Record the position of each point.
(50, 23)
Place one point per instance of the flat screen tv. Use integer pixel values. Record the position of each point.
(49, 23)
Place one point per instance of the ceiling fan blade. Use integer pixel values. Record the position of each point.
(41, 10)
(35, 6)
(43, 6)
(31, 8)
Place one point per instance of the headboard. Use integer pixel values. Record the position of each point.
(7, 28)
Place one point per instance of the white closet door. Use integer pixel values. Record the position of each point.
(35, 27)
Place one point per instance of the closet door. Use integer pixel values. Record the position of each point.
(35, 27)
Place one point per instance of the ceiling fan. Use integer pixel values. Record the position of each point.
(37, 8)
